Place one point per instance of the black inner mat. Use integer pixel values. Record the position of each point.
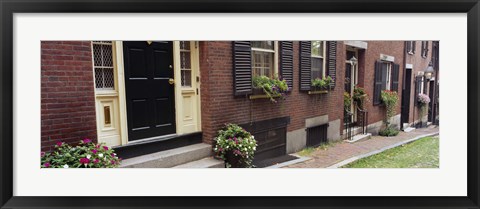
(275, 160)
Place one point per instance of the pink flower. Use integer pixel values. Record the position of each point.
(42, 154)
(97, 146)
(84, 160)
(94, 151)
(86, 141)
(59, 144)
(47, 164)
(96, 161)
(105, 147)
(112, 161)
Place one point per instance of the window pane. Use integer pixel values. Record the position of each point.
(317, 68)
(262, 44)
(186, 78)
(262, 63)
(317, 48)
(185, 45)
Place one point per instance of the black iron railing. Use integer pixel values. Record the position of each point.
(362, 119)
(348, 122)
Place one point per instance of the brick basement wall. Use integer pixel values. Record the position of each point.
(219, 106)
(67, 93)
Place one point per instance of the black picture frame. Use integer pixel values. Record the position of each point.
(10, 7)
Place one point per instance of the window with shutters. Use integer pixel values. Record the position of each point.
(318, 61)
(411, 47)
(263, 56)
(386, 78)
(424, 49)
(103, 65)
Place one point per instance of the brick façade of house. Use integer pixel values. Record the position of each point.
(106, 91)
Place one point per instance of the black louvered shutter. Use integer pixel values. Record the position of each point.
(377, 86)
(305, 65)
(423, 48)
(414, 46)
(332, 61)
(286, 61)
(395, 77)
(242, 68)
(409, 46)
(418, 84)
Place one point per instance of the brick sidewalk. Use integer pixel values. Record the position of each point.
(343, 150)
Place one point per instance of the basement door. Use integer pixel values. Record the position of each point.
(149, 89)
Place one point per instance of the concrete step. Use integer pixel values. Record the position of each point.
(208, 162)
(409, 129)
(169, 158)
(360, 137)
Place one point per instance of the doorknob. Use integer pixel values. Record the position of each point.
(171, 81)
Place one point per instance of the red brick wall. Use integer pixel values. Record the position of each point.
(372, 54)
(67, 93)
(219, 106)
(419, 64)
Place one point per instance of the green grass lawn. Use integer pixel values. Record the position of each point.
(422, 153)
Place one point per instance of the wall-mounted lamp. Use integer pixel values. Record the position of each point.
(429, 71)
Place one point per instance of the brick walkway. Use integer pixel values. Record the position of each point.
(322, 158)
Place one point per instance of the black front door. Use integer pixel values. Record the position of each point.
(149, 95)
(431, 91)
(406, 97)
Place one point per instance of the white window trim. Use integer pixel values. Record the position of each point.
(411, 47)
(389, 76)
(275, 57)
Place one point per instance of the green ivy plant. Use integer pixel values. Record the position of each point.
(233, 140)
(85, 155)
(390, 99)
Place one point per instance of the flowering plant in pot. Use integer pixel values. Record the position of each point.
(85, 155)
(423, 101)
(235, 146)
(359, 96)
(272, 87)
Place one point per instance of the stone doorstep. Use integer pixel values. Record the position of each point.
(208, 162)
(169, 158)
(409, 129)
(359, 137)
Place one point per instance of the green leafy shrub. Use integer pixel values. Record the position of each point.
(85, 155)
(272, 87)
(389, 131)
(235, 146)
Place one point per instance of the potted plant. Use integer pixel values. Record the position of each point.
(423, 101)
(390, 99)
(235, 146)
(272, 87)
(85, 155)
(359, 96)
